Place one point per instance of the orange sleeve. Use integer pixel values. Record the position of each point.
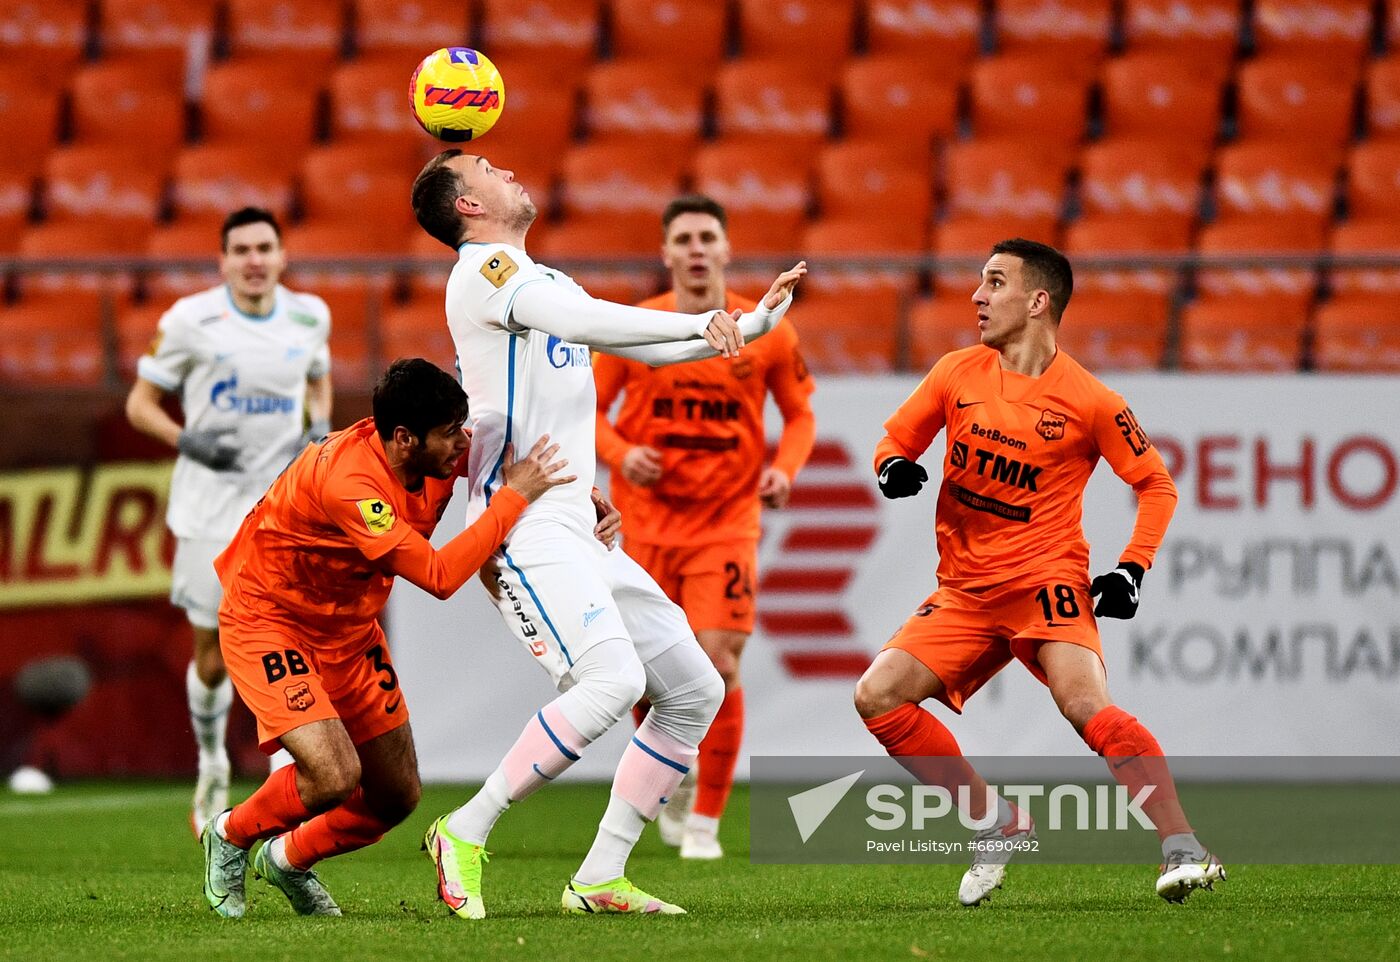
(442, 572)
(912, 428)
(792, 386)
(610, 375)
(359, 505)
(1129, 451)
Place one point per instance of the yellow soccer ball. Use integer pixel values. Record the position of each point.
(456, 94)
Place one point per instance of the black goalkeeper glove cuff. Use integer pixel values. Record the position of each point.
(211, 448)
(901, 478)
(1117, 591)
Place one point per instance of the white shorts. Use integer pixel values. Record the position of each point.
(561, 594)
(194, 585)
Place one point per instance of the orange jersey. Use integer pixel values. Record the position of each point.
(322, 547)
(706, 419)
(1020, 452)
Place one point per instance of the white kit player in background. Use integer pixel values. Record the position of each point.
(592, 618)
(250, 363)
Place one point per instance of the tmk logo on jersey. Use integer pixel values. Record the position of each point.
(462, 98)
(224, 396)
(1009, 471)
(562, 354)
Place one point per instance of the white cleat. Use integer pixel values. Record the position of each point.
(674, 814)
(992, 848)
(1183, 872)
(701, 845)
(210, 795)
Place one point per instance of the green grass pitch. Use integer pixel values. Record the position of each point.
(105, 871)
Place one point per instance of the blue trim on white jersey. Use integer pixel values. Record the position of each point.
(540, 608)
(554, 738)
(658, 756)
(259, 318)
(510, 417)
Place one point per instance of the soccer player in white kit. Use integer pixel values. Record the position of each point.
(250, 362)
(592, 618)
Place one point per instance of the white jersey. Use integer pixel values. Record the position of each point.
(248, 374)
(522, 333)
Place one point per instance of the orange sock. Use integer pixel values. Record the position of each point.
(1136, 761)
(639, 712)
(271, 810)
(345, 828)
(719, 753)
(929, 752)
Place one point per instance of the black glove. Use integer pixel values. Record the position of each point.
(901, 478)
(1117, 591)
(210, 448)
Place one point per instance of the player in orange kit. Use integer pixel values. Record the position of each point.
(686, 458)
(1026, 425)
(305, 579)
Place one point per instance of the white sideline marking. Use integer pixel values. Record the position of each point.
(92, 803)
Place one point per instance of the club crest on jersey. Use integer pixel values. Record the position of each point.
(498, 268)
(562, 354)
(1052, 425)
(299, 697)
(379, 517)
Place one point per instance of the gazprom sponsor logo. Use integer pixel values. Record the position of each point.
(563, 354)
(225, 397)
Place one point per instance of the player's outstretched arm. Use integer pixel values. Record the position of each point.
(571, 315)
(442, 572)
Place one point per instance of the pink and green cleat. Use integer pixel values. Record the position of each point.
(619, 895)
(458, 870)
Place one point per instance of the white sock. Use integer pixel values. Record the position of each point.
(473, 821)
(705, 824)
(209, 717)
(1185, 841)
(1005, 813)
(219, 824)
(279, 759)
(617, 834)
(277, 851)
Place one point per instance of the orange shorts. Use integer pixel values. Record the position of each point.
(286, 682)
(966, 637)
(713, 583)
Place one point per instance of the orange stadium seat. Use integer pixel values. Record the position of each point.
(1368, 236)
(532, 136)
(1280, 235)
(352, 188)
(845, 335)
(560, 36)
(1115, 331)
(853, 180)
(1128, 177)
(886, 99)
(318, 238)
(863, 235)
(999, 178)
(259, 104)
(96, 184)
(125, 105)
(945, 35)
(689, 33)
(1357, 336)
(1242, 334)
(136, 330)
(619, 286)
(303, 37)
(192, 237)
(1285, 98)
(159, 35)
(356, 302)
(1161, 97)
(26, 106)
(772, 100)
(813, 30)
(1332, 31)
(1383, 99)
(417, 328)
(642, 100)
(970, 237)
(1075, 30)
(368, 103)
(1373, 180)
(1011, 95)
(1200, 31)
(408, 30)
(765, 192)
(211, 181)
(1267, 179)
(619, 179)
(1105, 235)
(16, 203)
(53, 339)
(44, 40)
(938, 325)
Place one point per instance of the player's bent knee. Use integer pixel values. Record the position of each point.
(329, 782)
(873, 697)
(1079, 709)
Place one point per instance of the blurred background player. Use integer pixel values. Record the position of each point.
(593, 619)
(307, 576)
(1026, 425)
(250, 362)
(686, 457)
